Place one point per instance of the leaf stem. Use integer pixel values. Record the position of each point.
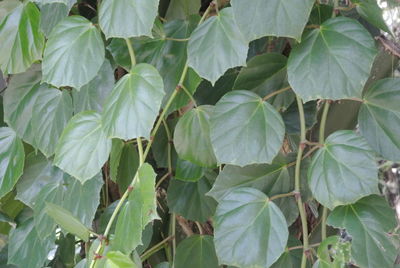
(131, 52)
(189, 95)
(322, 141)
(155, 248)
(140, 149)
(279, 91)
(300, 204)
(147, 150)
(281, 196)
(177, 39)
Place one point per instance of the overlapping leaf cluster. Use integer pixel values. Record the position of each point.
(124, 132)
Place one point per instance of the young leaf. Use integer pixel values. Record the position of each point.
(25, 248)
(93, 95)
(74, 53)
(136, 16)
(245, 129)
(133, 105)
(343, 170)
(67, 221)
(83, 147)
(12, 157)
(271, 17)
(320, 67)
(261, 224)
(51, 112)
(21, 42)
(192, 137)
(196, 251)
(19, 99)
(368, 222)
(137, 212)
(217, 45)
(379, 118)
(182, 197)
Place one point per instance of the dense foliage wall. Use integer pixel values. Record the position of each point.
(181, 133)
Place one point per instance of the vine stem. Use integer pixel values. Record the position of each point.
(300, 204)
(322, 140)
(155, 248)
(147, 150)
(282, 195)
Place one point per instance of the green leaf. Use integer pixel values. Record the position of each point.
(83, 147)
(292, 119)
(19, 99)
(379, 118)
(73, 41)
(67, 221)
(187, 171)
(133, 105)
(52, 14)
(265, 74)
(115, 157)
(137, 212)
(181, 9)
(196, 251)
(50, 114)
(161, 144)
(12, 157)
(368, 222)
(218, 43)
(245, 129)
(272, 17)
(333, 253)
(271, 179)
(127, 167)
(25, 248)
(370, 11)
(261, 223)
(189, 200)
(92, 96)
(290, 258)
(192, 137)
(136, 16)
(320, 67)
(343, 170)
(21, 42)
(116, 259)
(120, 53)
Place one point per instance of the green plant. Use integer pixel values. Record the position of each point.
(139, 133)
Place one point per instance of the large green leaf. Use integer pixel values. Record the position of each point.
(271, 179)
(50, 114)
(12, 157)
(187, 171)
(245, 129)
(245, 218)
(133, 105)
(19, 99)
(272, 17)
(83, 147)
(189, 200)
(196, 251)
(379, 117)
(25, 248)
(181, 9)
(370, 11)
(320, 67)
(217, 45)
(265, 74)
(21, 42)
(137, 17)
(51, 15)
(74, 53)
(67, 221)
(137, 212)
(369, 222)
(92, 96)
(192, 137)
(343, 170)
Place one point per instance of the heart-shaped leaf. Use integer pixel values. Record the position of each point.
(218, 42)
(74, 53)
(196, 251)
(133, 105)
(245, 129)
(246, 217)
(320, 67)
(83, 147)
(343, 170)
